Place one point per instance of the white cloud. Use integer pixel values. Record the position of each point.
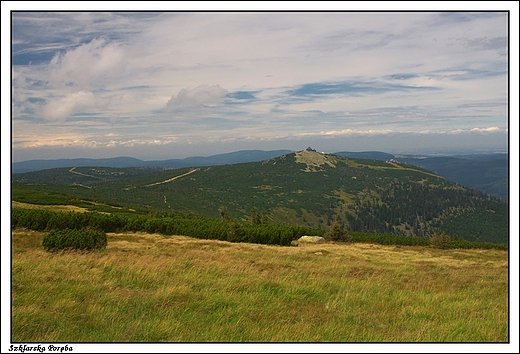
(486, 130)
(62, 108)
(87, 64)
(199, 96)
(349, 132)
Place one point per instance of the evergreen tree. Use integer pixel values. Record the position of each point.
(337, 233)
(224, 213)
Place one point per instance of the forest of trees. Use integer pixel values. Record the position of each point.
(415, 209)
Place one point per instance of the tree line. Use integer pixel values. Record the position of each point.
(163, 223)
(233, 230)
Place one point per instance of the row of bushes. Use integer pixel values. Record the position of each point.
(225, 230)
(390, 239)
(45, 220)
(441, 241)
(194, 226)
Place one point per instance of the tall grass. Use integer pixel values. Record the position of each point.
(153, 288)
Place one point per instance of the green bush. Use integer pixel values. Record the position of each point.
(232, 230)
(74, 239)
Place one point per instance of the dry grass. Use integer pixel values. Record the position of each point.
(314, 160)
(152, 288)
(60, 208)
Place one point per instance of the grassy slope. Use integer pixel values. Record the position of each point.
(150, 288)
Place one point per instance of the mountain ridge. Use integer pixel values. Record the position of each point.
(304, 188)
(485, 172)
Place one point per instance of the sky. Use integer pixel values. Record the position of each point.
(159, 85)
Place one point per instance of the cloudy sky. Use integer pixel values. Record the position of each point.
(176, 84)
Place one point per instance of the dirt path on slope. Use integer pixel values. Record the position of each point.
(83, 174)
(173, 178)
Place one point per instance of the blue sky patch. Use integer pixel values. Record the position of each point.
(353, 88)
(242, 95)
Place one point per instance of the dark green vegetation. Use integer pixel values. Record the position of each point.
(210, 229)
(304, 189)
(74, 239)
(165, 224)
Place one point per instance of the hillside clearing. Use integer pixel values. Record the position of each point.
(62, 208)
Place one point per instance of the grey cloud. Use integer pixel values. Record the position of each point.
(450, 17)
(460, 74)
(351, 40)
(483, 105)
(498, 44)
(488, 43)
(401, 76)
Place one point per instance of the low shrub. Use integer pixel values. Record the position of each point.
(74, 239)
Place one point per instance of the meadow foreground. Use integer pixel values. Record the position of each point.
(154, 288)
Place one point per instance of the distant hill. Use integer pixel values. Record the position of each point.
(303, 188)
(37, 165)
(220, 159)
(373, 155)
(122, 162)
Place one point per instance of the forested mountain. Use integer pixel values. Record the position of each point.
(304, 188)
(487, 172)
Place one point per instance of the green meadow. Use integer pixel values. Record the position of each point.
(154, 288)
